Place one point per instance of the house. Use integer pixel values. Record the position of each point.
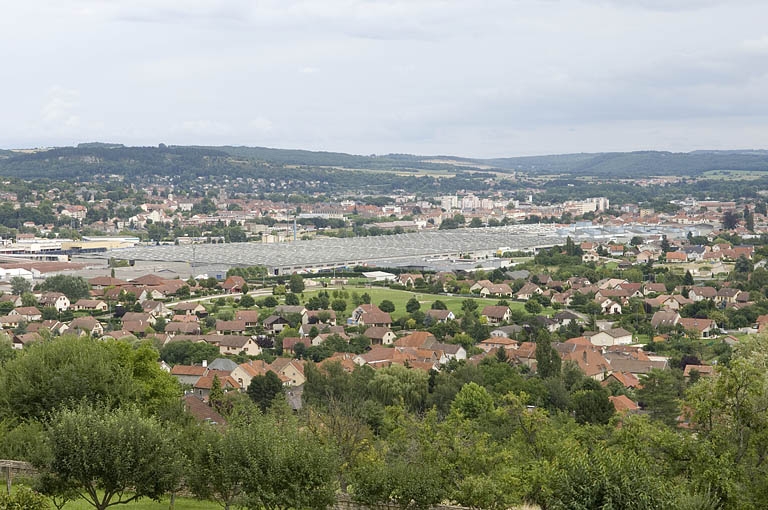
(613, 336)
(25, 339)
(236, 344)
(496, 314)
(697, 294)
(55, 300)
(625, 379)
(408, 280)
(623, 404)
(202, 387)
(644, 257)
(441, 315)
(609, 306)
(229, 327)
(727, 295)
(54, 326)
(275, 324)
(183, 328)
(497, 342)
(590, 256)
(487, 288)
(654, 288)
(103, 282)
(190, 308)
(703, 371)
(371, 315)
(248, 370)
(451, 351)
(87, 326)
(418, 339)
(188, 374)
(527, 291)
(11, 321)
(510, 331)
(591, 362)
(138, 316)
(28, 313)
(665, 319)
(285, 310)
(380, 335)
(90, 305)
(290, 343)
(291, 369)
(703, 328)
(156, 308)
(567, 317)
(233, 284)
(249, 317)
(676, 257)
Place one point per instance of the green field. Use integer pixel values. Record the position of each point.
(742, 175)
(401, 297)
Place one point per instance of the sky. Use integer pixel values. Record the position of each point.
(476, 78)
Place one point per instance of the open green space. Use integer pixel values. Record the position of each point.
(400, 297)
(744, 175)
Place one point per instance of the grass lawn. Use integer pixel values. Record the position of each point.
(181, 503)
(401, 297)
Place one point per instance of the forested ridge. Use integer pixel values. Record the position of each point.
(192, 161)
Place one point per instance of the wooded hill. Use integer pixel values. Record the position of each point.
(94, 158)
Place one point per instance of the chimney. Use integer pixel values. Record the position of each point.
(205, 363)
(584, 355)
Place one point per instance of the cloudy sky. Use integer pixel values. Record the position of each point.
(466, 77)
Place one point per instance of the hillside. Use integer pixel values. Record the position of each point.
(90, 159)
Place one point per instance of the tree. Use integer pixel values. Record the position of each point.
(532, 306)
(438, 305)
(749, 219)
(292, 299)
(547, 358)
(296, 284)
(730, 220)
(216, 460)
(688, 279)
(216, 395)
(468, 306)
(387, 306)
(264, 389)
(112, 456)
(188, 353)
(665, 246)
(74, 287)
(285, 466)
(660, 394)
(742, 266)
(592, 406)
(473, 401)
(247, 301)
(339, 305)
(72, 369)
(476, 223)
(412, 305)
(28, 299)
(20, 285)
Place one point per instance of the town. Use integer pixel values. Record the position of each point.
(491, 312)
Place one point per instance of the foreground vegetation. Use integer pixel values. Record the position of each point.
(98, 418)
